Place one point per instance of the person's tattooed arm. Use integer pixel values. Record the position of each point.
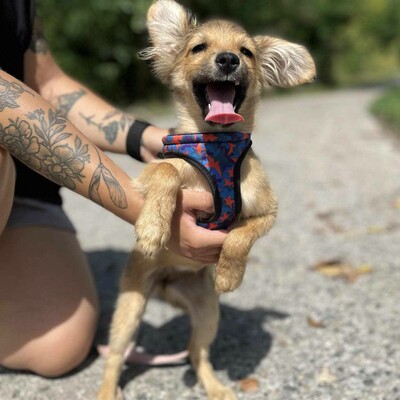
(102, 123)
(41, 137)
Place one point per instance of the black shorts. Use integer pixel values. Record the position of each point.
(37, 201)
(31, 185)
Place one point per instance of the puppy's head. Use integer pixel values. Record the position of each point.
(217, 70)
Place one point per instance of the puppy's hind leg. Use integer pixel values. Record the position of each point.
(136, 285)
(195, 293)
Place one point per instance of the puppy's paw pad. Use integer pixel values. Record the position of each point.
(107, 395)
(228, 275)
(151, 238)
(120, 395)
(224, 284)
(222, 394)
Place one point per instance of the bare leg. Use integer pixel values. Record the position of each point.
(7, 181)
(195, 293)
(48, 304)
(136, 285)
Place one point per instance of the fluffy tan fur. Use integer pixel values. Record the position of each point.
(183, 282)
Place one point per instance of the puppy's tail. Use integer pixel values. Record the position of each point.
(132, 356)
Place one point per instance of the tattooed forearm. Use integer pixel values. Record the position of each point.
(109, 125)
(40, 142)
(37, 142)
(68, 100)
(9, 94)
(38, 43)
(47, 143)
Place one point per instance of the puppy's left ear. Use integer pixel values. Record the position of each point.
(168, 24)
(284, 64)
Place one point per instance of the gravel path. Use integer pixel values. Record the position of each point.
(299, 333)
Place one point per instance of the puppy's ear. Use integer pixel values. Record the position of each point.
(284, 64)
(168, 24)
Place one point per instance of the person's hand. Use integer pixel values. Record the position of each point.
(151, 143)
(187, 238)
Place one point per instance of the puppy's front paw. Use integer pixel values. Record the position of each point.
(152, 236)
(229, 274)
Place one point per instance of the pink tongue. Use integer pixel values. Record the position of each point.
(221, 96)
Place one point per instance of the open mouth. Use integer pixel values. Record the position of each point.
(220, 101)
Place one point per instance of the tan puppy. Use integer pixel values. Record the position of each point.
(216, 72)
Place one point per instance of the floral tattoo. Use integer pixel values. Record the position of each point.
(9, 93)
(43, 151)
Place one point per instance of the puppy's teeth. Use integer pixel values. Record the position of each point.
(209, 107)
(236, 83)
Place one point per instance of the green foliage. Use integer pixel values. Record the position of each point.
(356, 41)
(97, 42)
(387, 108)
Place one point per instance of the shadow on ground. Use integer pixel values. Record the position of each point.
(242, 341)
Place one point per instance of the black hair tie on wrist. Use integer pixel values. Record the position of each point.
(134, 139)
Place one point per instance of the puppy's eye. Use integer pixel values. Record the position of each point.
(199, 48)
(246, 52)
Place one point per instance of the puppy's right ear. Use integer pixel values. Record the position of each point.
(168, 24)
(284, 64)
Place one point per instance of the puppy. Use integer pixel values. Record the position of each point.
(216, 72)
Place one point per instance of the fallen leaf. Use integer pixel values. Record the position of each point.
(374, 229)
(328, 219)
(340, 269)
(326, 376)
(397, 203)
(332, 268)
(314, 323)
(249, 385)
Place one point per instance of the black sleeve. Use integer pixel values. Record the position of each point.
(16, 23)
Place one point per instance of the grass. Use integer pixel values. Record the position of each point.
(387, 108)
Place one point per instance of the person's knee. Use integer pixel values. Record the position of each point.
(62, 354)
(57, 352)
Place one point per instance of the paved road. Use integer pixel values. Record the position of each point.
(335, 171)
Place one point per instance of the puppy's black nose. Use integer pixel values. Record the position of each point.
(227, 62)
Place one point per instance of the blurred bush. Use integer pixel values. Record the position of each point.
(97, 42)
(387, 108)
(353, 42)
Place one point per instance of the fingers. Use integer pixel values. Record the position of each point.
(200, 201)
(188, 239)
(146, 155)
(195, 242)
(203, 245)
(205, 238)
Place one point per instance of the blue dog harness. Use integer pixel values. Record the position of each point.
(218, 156)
